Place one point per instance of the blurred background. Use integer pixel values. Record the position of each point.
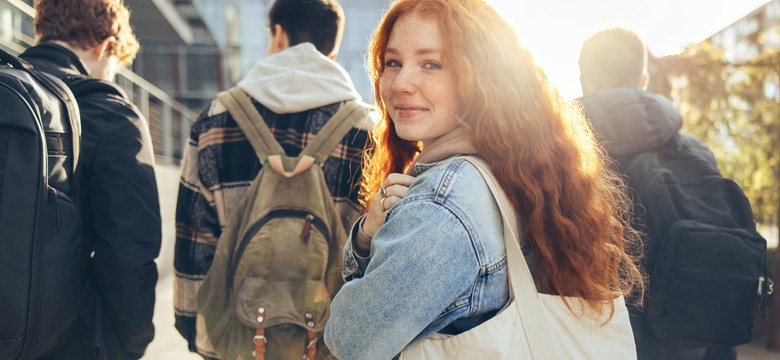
(718, 60)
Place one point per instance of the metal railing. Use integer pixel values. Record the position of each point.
(169, 120)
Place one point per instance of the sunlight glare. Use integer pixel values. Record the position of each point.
(554, 30)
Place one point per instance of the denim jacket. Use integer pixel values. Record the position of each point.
(437, 264)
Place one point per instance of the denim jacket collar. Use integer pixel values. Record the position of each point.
(420, 167)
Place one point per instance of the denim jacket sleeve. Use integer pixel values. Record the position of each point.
(422, 259)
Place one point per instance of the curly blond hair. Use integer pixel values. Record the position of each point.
(86, 23)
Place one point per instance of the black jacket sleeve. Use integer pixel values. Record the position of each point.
(123, 221)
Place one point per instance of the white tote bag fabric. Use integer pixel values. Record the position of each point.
(532, 325)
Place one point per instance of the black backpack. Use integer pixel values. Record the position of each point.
(42, 262)
(705, 260)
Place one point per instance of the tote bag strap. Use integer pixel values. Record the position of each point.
(523, 288)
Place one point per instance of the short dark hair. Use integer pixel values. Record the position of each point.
(613, 58)
(320, 22)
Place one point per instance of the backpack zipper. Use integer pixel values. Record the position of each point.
(769, 286)
(255, 228)
(306, 228)
(56, 208)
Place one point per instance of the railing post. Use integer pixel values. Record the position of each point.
(167, 114)
(184, 133)
(6, 23)
(143, 102)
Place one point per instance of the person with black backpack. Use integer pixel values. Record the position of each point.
(83, 43)
(705, 262)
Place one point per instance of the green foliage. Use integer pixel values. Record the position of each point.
(735, 109)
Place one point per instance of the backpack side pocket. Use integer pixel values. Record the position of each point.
(707, 285)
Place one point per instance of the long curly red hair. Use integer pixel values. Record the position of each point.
(540, 148)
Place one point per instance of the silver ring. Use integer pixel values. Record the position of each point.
(382, 203)
(383, 191)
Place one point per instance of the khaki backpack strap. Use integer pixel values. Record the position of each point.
(259, 338)
(251, 123)
(260, 342)
(311, 345)
(334, 131)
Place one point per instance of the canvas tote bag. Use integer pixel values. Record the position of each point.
(532, 325)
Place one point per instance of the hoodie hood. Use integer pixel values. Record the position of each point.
(297, 79)
(629, 121)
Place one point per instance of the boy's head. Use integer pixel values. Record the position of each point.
(86, 24)
(613, 58)
(320, 22)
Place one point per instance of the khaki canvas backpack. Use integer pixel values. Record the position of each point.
(278, 261)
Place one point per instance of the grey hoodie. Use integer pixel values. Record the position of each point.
(297, 79)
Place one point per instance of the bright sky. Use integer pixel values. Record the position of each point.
(554, 29)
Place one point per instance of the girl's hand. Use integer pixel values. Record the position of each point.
(393, 189)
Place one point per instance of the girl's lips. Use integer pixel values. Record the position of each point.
(407, 111)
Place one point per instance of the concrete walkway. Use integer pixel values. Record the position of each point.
(169, 345)
(756, 350)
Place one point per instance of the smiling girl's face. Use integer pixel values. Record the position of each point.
(418, 87)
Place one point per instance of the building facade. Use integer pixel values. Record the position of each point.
(227, 37)
(240, 29)
(756, 33)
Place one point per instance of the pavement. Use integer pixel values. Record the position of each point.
(169, 345)
(756, 350)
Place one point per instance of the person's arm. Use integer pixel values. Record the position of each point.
(197, 231)
(357, 250)
(355, 260)
(422, 259)
(125, 213)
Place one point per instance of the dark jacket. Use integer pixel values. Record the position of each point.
(120, 217)
(631, 121)
(628, 122)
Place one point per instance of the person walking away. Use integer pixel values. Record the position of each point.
(296, 91)
(84, 43)
(701, 250)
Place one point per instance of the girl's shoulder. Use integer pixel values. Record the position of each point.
(452, 178)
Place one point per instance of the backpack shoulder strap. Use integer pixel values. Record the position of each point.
(56, 87)
(251, 123)
(61, 90)
(14, 61)
(334, 130)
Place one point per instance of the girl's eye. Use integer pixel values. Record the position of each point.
(392, 63)
(431, 65)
